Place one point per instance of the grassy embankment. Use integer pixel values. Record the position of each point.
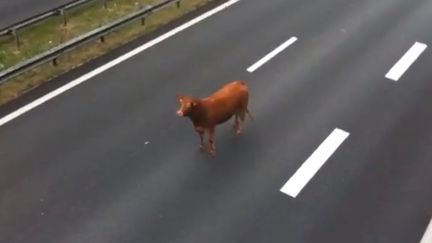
(41, 37)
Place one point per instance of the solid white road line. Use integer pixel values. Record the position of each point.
(311, 166)
(406, 61)
(113, 63)
(272, 54)
(427, 237)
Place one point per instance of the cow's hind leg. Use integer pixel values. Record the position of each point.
(244, 106)
(240, 114)
(236, 122)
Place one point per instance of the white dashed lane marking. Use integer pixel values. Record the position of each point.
(427, 237)
(406, 61)
(272, 54)
(311, 166)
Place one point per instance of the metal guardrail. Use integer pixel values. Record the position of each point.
(99, 33)
(60, 10)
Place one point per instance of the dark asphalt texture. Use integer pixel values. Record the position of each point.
(109, 160)
(14, 11)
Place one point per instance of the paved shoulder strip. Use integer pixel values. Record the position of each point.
(406, 61)
(311, 166)
(113, 63)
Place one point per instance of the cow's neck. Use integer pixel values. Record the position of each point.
(198, 114)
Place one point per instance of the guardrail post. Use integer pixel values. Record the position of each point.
(178, 4)
(63, 14)
(102, 39)
(16, 36)
(106, 4)
(55, 62)
(143, 18)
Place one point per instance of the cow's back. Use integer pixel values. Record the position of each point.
(226, 101)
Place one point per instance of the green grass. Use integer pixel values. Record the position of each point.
(40, 38)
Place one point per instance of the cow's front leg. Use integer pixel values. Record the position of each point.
(212, 141)
(201, 134)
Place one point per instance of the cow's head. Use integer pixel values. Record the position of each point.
(187, 104)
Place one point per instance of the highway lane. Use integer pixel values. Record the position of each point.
(14, 11)
(108, 161)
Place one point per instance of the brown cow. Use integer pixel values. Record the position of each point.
(231, 99)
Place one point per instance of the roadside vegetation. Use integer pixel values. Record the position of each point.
(39, 38)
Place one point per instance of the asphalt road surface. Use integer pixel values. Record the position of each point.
(13, 11)
(109, 160)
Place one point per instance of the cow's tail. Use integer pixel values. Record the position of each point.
(242, 114)
(249, 114)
